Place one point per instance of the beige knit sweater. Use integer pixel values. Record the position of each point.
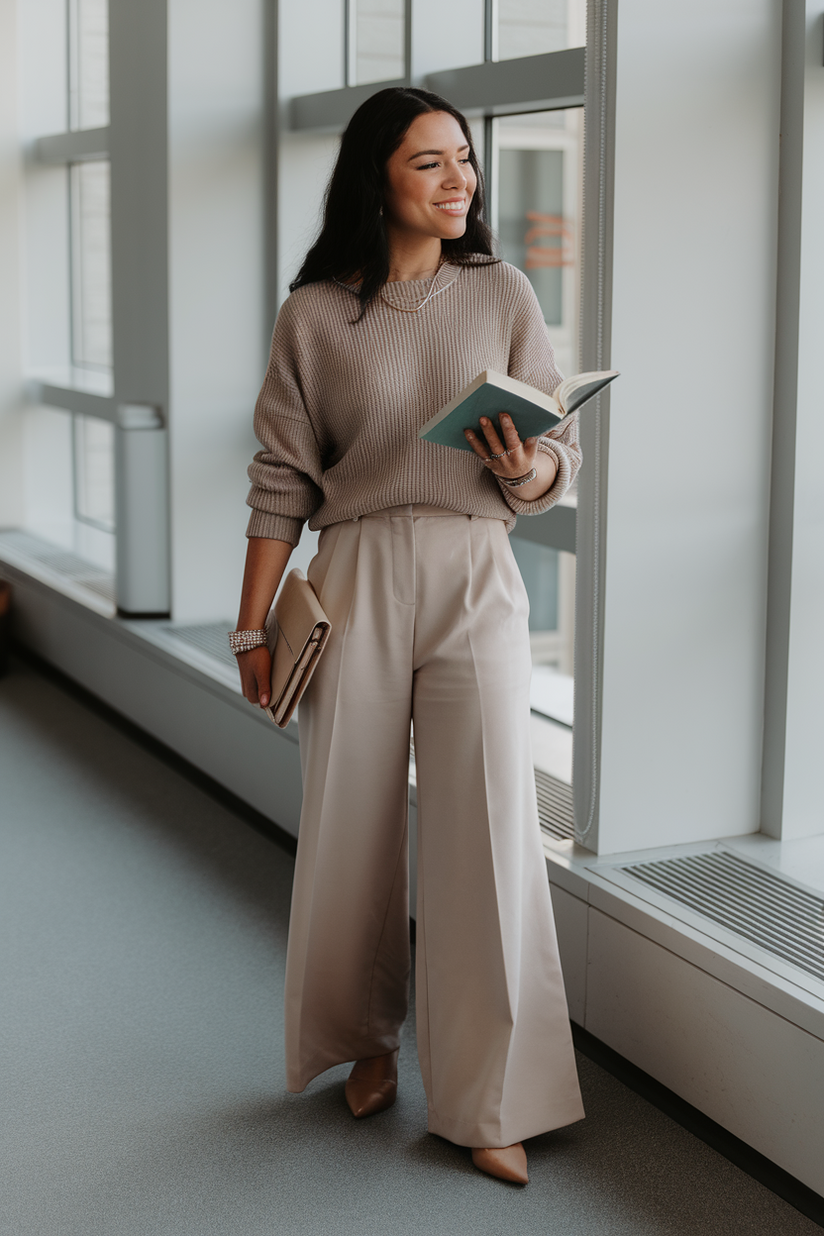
(341, 404)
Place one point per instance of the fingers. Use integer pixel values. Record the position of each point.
(255, 675)
(509, 431)
(496, 446)
(490, 444)
(479, 447)
(264, 687)
(515, 458)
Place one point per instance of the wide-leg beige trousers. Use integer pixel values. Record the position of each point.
(429, 619)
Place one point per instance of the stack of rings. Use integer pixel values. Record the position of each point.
(509, 452)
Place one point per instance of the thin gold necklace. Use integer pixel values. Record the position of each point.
(426, 299)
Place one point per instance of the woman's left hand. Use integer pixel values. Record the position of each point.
(512, 457)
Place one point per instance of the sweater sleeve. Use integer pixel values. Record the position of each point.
(532, 360)
(286, 474)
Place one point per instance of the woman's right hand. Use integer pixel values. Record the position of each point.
(256, 675)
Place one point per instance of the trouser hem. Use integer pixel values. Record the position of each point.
(298, 1079)
(493, 1135)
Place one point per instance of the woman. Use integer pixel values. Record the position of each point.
(398, 306)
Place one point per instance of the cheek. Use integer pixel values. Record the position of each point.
(408, 193)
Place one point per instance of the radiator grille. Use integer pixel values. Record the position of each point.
(63, 562)
(759, 905)
(554, 806)
(210, 638)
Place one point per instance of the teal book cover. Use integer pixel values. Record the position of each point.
(533, 412)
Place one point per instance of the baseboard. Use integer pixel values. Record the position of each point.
(762, 1169)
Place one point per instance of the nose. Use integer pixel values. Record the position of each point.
(455, 176)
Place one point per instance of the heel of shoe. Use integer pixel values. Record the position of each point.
(372, 1086)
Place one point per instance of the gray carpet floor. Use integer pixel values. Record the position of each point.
(143, 937)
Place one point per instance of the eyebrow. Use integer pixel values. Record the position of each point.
(435, 152)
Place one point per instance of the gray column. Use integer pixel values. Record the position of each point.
(139, 156)
(794, 686)
(142, 518)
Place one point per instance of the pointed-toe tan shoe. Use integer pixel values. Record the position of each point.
(507, 1163)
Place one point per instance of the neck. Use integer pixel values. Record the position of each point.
(415, 260)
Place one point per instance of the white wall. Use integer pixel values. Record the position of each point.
(11, 495)
(696, 152)
(803, 812)
(305, 165)
(216, 276)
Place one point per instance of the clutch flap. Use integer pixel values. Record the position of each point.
(297, 612)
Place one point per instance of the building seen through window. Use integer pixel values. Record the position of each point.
(531, 27)
(91, 277)
(376, 38)
(93, 462)
(537, 179)
(88, 64)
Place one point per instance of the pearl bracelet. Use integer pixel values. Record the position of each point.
(245, 641)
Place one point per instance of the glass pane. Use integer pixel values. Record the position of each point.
(88, 64)
(536, 208)
(94, 472)
(537, 213)
(376, 40)
(532, 27)
(91, 266)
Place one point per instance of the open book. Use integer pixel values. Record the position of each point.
(532, 412)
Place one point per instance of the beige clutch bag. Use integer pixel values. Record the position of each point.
(297, 630)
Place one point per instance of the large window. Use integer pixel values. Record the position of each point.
(530, 27)
(537, 210)
(88, 64)
(537, 178)
(375, 41)
(91, 268)
(70, 343)
(93, 460)
(532, 159)
(92, 474)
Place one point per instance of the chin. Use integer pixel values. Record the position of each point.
(452, 229)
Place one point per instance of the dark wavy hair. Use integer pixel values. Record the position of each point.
(352, 241)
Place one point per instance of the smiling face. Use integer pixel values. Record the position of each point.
(430, 181)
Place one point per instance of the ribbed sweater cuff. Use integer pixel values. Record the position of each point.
(556, 490)
(275, 527)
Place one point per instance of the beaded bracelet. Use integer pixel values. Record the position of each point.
(245, 641)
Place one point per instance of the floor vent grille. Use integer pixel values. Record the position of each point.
(759, 905)
(209, 638)
(555, 806)
(62, 562)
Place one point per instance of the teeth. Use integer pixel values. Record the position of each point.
(449, 205)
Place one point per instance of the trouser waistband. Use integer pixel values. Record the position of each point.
(414, 509)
